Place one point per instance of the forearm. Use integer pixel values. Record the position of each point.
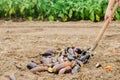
(110, 4)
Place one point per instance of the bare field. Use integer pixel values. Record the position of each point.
(21, 42)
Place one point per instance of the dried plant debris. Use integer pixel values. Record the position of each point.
(64, 61)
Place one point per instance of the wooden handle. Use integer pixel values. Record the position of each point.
(103, 29)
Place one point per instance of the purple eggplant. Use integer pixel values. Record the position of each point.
(80, 63)
(31, 65)
(47, 60)
(78, 50)
(61, 65)
(66, 50)
(48, 52)
(63, 53)
(39, 69)
(65, 70)
(84, 58)
(71, 54)
(60, 59)
(75, 69)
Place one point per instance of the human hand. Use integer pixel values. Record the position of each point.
(118, 2)
(109, 15)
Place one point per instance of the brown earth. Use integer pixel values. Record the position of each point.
(21, 42)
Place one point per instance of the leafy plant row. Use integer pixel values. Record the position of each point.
(52, 10)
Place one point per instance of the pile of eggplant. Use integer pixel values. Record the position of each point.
(60, 61)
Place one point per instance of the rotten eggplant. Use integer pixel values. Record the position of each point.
(63, 53)
(71, 54)
(83, 52)
(69, 59)
(61, 65)
(84, 58)
(66, 49)
(49, 52)
(75, 69)
(80, 63)
(31, 65)
(60, 59)
(65, 70)
(39, 69)
(47, 60)
(78, 50)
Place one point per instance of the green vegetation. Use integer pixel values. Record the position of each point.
(52, 10)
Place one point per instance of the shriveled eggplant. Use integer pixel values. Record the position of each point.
(48, 52)
(71, 57)
(60, 59)
(66, 49)
(63, 53)
(75, 69)
(65, 70)
(47, 60)
(61, 65)
(31, 65)
(66, 60)
(39, 69)
(80, 63)
(71, 54)
(84, 58)
(78, 50)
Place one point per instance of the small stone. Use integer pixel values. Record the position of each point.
(50, 69)
(12, 77)
(98, 65)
